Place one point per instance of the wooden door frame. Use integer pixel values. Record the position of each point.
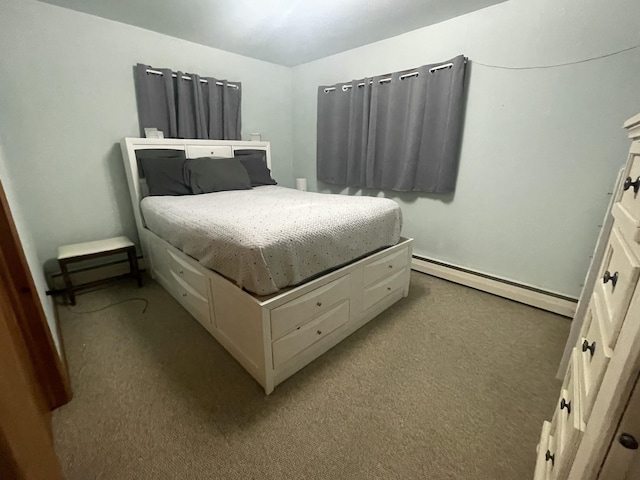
(33, 379)
(50, 377)
(26, 444)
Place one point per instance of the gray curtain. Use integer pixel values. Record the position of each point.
(393, 133)
(184, 108)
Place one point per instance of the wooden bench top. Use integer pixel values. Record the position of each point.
(91, 248)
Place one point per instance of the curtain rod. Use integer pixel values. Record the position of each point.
(385, 80)
(184, 77)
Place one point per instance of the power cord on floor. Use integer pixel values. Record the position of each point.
(146, 305)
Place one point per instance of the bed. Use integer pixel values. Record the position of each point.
(275, 292)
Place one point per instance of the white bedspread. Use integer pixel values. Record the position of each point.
(271, 237)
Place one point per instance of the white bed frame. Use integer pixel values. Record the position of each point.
(273, 336)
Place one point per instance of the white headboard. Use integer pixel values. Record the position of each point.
(192, 148)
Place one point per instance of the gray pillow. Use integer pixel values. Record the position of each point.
(208, 174)
(163, 170)
(256, 165)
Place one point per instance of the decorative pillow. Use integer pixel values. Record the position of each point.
(209, 174)
(163, 170)
(255, 162)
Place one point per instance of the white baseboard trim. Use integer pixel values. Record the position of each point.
(520, 293)
(95, 273)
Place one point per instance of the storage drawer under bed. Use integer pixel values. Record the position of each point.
(305, 308)
(189, 274)
(306, 335)
(376, 292)
(385, 267)
(195, 303)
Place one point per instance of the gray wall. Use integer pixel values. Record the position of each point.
(28, 245)
(67, 98)
(541, 148)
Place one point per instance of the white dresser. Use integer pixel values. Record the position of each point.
(595, 428)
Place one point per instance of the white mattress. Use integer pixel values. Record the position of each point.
(271, 237)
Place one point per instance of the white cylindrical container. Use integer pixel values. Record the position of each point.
(301, 184)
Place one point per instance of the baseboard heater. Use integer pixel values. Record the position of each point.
(526, 294)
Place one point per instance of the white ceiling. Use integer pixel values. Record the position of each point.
(286, 32)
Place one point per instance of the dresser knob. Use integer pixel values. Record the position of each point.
(628, 184)
(565, 404)
(548, 457)
(184, 294)
(591, 348)
(319, 332)
(319, 304)
(390, 266)
(612, 278)
(628, 441)
(389, 289)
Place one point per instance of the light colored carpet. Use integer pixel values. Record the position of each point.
(450, 383)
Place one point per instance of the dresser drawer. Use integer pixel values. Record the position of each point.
(618, 278)
(543, 466)
(189, 274)
(195, 303)
(306, 335)
(374, 293)
(595, 355)
(291, 315)
(567, 426)
(566, 440)
(385, 267)
(221, 151)
(627, 209)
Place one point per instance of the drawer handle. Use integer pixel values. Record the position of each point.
(565, 404)
(181, 272)
(184, 294)
(548, 457)
(389, 289)
(319, 304)
(608, 277)
(591, 348)
(390, 266)
(319, 332)
(628, 441)
(628, 184)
